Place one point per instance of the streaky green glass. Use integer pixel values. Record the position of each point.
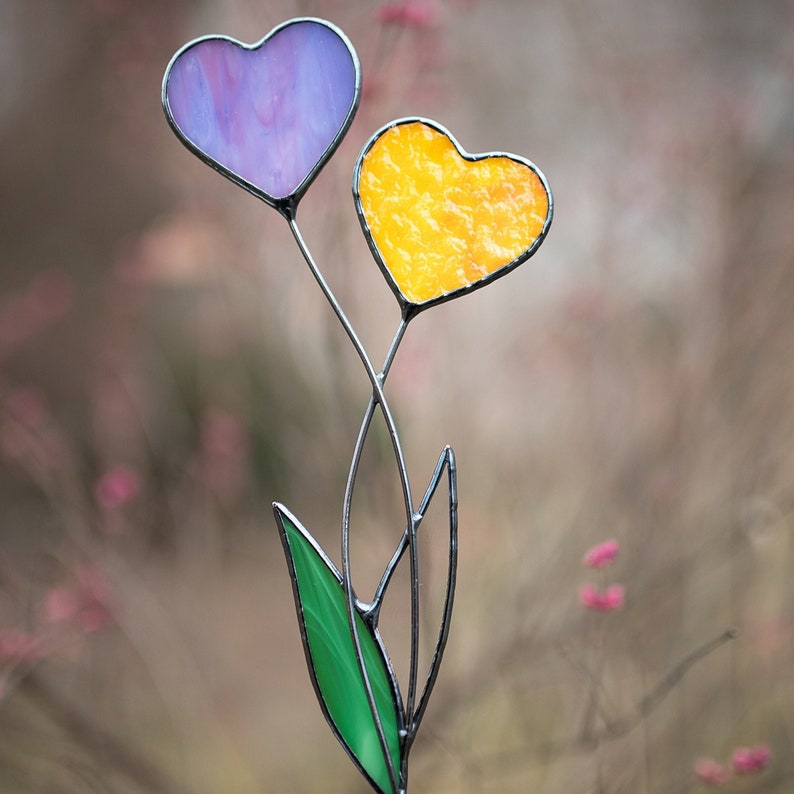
(322, 613)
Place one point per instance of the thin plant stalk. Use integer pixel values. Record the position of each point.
(412, 521)
(378, 396)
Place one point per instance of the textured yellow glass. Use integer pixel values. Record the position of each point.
(440, 221)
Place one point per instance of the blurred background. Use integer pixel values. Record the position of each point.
(168, 368)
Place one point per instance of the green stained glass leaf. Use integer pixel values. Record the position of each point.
(322, 614)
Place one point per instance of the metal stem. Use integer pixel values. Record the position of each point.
(409, 537)
(446, 460)
(379, 397)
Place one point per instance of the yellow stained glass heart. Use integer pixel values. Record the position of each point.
(441, 222)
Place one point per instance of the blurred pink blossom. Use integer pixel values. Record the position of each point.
(85, 604)
(224, 453)
(117, 486)
(16, 645)
(711, 772)
(747, 760)
(602, 555)
(409, 13)
(606, 601)
(61, 605)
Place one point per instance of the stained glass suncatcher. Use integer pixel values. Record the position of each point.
(267, 115)
(440, 223)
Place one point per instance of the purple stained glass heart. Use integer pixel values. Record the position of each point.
(268, 115)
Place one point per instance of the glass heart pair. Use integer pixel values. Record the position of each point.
(268, 116)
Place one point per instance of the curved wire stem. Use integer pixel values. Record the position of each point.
(445, 461)
(378, 397)
(372, 610)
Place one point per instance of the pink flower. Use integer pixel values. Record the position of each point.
(85, 604)
(607, 601)
(19, 646)
(223, 463)
(602, 555)
(117, 487)
(409, 13)
(711, 773)
(61, 605)
(747, 760)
